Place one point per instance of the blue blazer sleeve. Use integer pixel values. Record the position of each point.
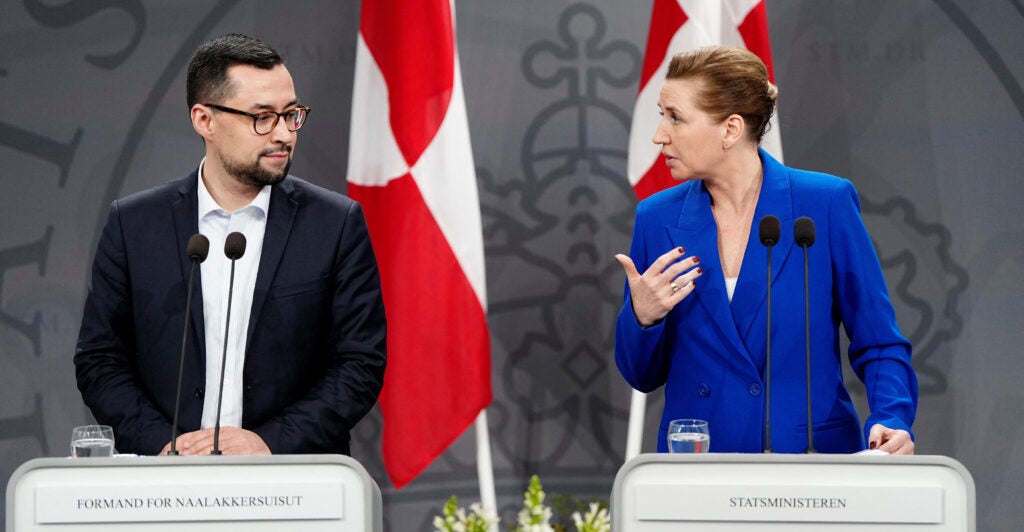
(639, 352)
(879, 354)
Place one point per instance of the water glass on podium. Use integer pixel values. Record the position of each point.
(688, 436)
(90, 441)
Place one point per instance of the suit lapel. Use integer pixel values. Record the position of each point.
(185, 208)
(281, 216)
(696, 231)
(775, 199)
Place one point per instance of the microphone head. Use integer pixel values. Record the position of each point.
(803, 231)
(234, 245)
(198, 248)
(769, 230)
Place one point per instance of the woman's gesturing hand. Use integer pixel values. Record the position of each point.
(662, 286)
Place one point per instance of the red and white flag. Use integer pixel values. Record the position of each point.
(411, 167)
(678, 26)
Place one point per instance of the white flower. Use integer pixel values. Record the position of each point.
(455, 519)
(535, 528)
(488, 516)
(595, 520)
(535, 516)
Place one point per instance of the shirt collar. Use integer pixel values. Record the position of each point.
(207, 204)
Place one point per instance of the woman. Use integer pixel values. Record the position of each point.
(694, 316)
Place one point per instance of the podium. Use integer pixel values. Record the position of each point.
(197, 493)
(733, 492)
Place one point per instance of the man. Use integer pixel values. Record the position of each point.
(306, 344)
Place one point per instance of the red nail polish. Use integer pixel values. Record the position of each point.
(681, 249)
(700, 270)
(696, 260)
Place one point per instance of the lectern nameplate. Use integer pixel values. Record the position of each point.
(298, 493)
(724, 492)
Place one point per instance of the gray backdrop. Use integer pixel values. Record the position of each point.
(919, 102)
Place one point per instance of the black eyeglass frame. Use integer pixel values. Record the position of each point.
(256, 116)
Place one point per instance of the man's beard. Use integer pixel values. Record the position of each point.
(255, 175)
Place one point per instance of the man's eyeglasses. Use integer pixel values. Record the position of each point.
(265, 122)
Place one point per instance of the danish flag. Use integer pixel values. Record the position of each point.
(679, 26)
(411, 167)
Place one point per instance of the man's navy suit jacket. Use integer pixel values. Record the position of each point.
(315, 349)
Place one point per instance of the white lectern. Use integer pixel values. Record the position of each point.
(194, 493)
(765, 492)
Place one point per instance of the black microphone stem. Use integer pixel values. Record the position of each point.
(803, 234)
(768, 364)
(197, 249)
(768, 230)
(223, 363)
(181, 362)
(807, 342)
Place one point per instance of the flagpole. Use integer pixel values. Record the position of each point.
(484, 467)
(635, 430)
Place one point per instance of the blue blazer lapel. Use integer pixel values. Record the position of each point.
(281, 216)
(751, 292)
(696, 231)
(185, 209)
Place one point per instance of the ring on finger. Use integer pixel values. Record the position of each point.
(675, 288)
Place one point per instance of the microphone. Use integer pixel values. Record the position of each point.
(234, 248)
(803, 234)
(769, 230)
(197, 250)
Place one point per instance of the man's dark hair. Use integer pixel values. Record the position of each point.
(207, 80)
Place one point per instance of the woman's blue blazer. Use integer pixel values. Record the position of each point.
(710, 353)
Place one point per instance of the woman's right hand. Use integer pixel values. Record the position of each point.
(659, 289)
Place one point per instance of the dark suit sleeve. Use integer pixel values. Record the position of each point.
(355, 357)
(105, 358)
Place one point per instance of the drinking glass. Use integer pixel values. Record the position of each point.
(89, 441)
(688, 436)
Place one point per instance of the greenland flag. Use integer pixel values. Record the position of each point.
(678, 26)
(411, 167)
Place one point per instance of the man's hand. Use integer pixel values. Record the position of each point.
(233, 440)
